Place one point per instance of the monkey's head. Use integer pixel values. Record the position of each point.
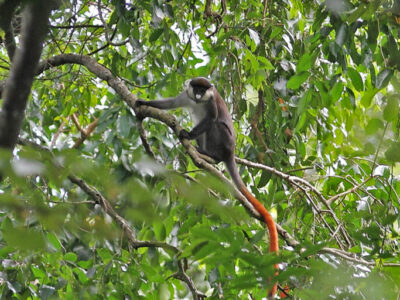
(200, 89)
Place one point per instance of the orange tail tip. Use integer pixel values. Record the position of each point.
(272, 292)
(273, 232)
(268, 220)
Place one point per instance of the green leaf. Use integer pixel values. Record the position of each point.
(70, 256)
(124, 27)
(383, 78)
(311, 249)
(393, 153)
(81, 275)
(24, 238)
(304, 101)
(204, 233)
(168, 58)
(373, 126)
(265, 63)
(105, 255)
(337, 91)
(38, 272)
(204, 251)
(367, 97)
(355, 79)
(302, 121)
(159, 230)
(277, 30)
(391, 109)
(46, 291)
(123, 125)
(297, 80)
(155, 35)
(305, 63)
(373, 32)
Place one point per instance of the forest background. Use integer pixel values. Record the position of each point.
(99, 199)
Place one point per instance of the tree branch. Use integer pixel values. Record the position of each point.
(7, 9)
(349, 191)
(19, 81)
(84, 132)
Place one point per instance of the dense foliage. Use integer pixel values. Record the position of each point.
(102, 201)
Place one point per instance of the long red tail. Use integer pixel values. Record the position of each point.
(273, 233)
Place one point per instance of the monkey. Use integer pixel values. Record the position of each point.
(215, 137)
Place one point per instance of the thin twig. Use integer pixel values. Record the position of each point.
(57, 134)
(349, 191)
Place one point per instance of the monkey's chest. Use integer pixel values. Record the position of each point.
(198, 112)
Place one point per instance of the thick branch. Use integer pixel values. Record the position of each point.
(7, 9)
(19, 82)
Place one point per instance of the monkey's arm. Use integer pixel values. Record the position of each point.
(181, 100)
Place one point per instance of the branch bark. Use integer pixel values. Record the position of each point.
(7, 9)
(19, 82)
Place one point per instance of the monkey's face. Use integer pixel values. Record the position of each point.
(200, 93)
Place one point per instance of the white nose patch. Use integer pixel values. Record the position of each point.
(198, 96)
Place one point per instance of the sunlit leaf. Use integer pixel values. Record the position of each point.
(356, 79)
(54, 241)
(70, 256)
(337, 91)
(367, 97)
(159, 230)
(297, 80)
(305, 63)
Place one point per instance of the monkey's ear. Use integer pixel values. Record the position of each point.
(187, 84)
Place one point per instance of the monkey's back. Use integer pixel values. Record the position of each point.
(220, 139)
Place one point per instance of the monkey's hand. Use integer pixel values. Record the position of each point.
(184, 134)
(140, 102)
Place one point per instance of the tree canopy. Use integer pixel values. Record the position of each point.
(101, 199)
